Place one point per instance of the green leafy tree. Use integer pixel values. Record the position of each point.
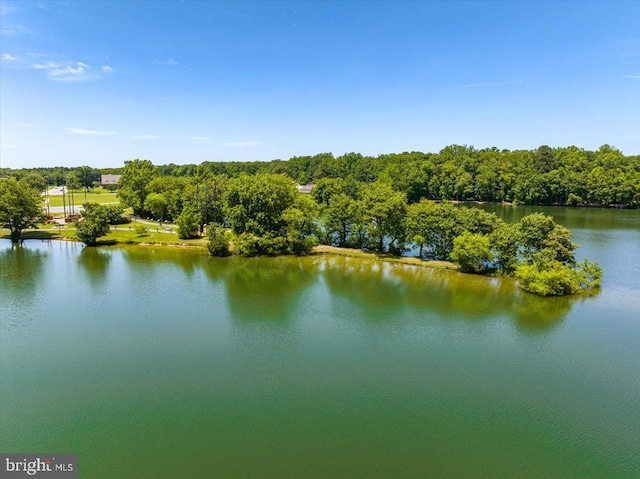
(558, 243)
(136, 176)
(340, 219)
(86, 176)
(156, 204)
(534, 230)
(207, 194)
(188, 222)
(114, 214)
(218, 240)
(544, 159)
(175, 192)
(434, 226)
(35, 181)
(255, 204)
(73, 183)
(326, 188)
(472, 252)
(477, 221)
(19, 207)
(301, 227)
(385, 211)
(94, 224)
(505, 243)
(553, 278)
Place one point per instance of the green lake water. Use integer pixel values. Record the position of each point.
(166, 363)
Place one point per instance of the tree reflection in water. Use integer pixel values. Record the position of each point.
(382, 288)
(264, 289)
(94, 262)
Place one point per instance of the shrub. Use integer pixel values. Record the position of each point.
(574, 200)
(303, 246)
(472, 253)
(247, 245)
(94, 224)
(271, 245)
(114, 214)
(140, 229)
(218, 240)
(554, 278)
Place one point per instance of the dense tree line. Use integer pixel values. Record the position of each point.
(73, 177)
(562, 176)
(264, 213)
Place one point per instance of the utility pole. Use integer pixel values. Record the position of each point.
(64, 205)
(69, 199)
(46, 195)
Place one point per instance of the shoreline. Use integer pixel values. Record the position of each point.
(200, 244)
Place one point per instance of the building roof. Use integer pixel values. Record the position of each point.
(306, 188)
(110, 179)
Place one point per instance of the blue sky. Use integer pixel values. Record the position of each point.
(99, 83)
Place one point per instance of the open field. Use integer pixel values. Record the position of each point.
(99, 195)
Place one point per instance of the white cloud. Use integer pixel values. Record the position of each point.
(10, 58)
(635, 77)
(71, 71)
(82, 131)
(22, 124)
(170, 62)
(240, 14)
(242, 144)
(6, 9)
(492, 83)
(6, 145)
(200, 139)
(144, 137)
(16, 30)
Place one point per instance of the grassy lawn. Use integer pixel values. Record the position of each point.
(120, 236)
(123, 235)
(92, 197)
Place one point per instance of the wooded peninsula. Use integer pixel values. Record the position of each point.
(388, 204)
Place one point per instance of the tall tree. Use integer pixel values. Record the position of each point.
(19, 207)
(188, 222)
(434, 226)
(255, 203)
(135, 178)
(94, 224)
(35, 181)
(385, 211)
(340, 219)
(86, 176)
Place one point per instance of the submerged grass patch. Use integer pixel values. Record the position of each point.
(357, 253)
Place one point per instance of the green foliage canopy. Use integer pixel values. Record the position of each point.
(94, 224)
(19, 206)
